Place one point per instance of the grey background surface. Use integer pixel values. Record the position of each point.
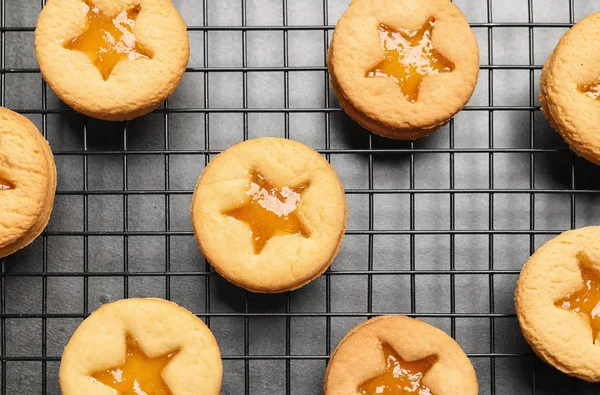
(438, 228)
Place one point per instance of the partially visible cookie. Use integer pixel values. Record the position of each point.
(112, 59)
(141, 346)
(558, 302)
(570, 88)
(27, 182)
(403, 68)
(269, 214)
(390, 354)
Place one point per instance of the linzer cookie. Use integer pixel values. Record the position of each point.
(27, 182)
(112, 59)
(558, 302)
(403, 68)
(141, 347)
(396, 355)
(269, 214)
(570, 88)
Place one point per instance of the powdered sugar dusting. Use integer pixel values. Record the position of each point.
(127, 41)
(269, 200)
(117, 374)
(138, 389)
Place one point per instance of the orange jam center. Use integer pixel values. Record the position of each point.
(400, 377)
(139, 375)
(409, 58)
(586, 300)
(270, 212)
(592, 90)
(5, 185)
(109, 40)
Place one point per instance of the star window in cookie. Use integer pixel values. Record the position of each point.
(400, 376)
(109, 40)
(409, 58)
(592, 89)
(586, 300)
(270, 211)
(138, 375)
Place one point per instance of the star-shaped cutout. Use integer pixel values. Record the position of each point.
(592, 89)
(586, 300)
(409, 58)
(108, 40)
(138, 375)
(400, 376)
(6, 185)
(270, 212)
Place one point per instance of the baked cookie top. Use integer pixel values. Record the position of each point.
(27, 181)
(394, 353)
(138, 345)
(557, 302)
(406, 64)
(269, 214)
(112, 59)
(571, 84)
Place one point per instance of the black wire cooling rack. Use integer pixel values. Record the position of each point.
(439, 228)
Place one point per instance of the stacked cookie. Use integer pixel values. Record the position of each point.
(27, 182)
(570, 88)
(399, 355)
(269, 214)
(141, 346)
(112, 59)
(557, 301)
(403, 68)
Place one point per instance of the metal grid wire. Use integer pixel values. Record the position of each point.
(438, 230)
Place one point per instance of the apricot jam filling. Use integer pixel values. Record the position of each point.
(400, 376)
(139, 374)
(592, 90)
(109, 40)
(270, 211)
(409, 58)
(585, 301)
(6, 185)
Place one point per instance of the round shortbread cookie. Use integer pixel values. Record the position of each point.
(573, 65)
(27, 182)
(165, 333)
(149, 34)
(361, 363)
(299, 194)
(360, 64)
(557, 329)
